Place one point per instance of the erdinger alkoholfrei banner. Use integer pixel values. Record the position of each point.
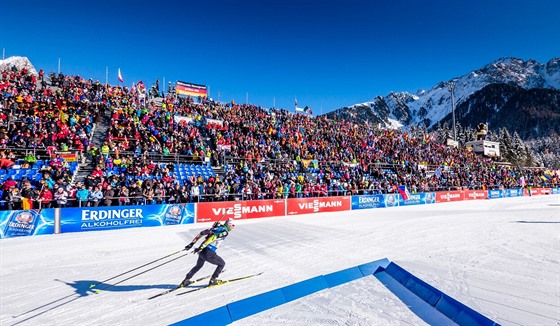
(26, 222)
(368, 201)
(190, 89)
(119, 217)
(415, 199)
(318, 205)
(212, 212)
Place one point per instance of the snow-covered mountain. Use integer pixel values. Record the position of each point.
(428, 107)
(19, 62)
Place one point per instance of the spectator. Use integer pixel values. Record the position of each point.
(28, 195)
(61, 197)
(108, 196)
(14, 199)
(82, 195)
(45, 197)
(124, 196)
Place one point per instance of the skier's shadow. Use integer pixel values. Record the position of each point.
(84, 288)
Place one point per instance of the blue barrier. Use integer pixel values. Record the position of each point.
(370, 268)
(343, 276)
(261, 302)
(255, 304)
(301, 289)
(423, 290)
(218, 316)
(451, 308)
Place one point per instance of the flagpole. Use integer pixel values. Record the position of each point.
(106, 76)
(59, 65)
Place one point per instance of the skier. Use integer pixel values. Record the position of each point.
(207, 251)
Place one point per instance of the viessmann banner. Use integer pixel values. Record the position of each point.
(475, 194)
(119, 217)
(245, 209)
(318, 205)
(448, 196)
(22, 223)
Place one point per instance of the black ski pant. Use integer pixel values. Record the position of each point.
(207, 255)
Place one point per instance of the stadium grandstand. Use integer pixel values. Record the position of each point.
(67, 141)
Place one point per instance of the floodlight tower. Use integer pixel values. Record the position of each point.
(452, 90)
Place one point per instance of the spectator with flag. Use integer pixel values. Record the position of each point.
(403, 191)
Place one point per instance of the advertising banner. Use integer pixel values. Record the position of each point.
(534, 192)
(492, 194)
(413, 199)
(368, 201)
(514, 192)
(430, 198)
(475, 194)
(79, 219)
(26, 222)
(448, 196)
(543, 191)
(212, 212)
(67, 156)
(555, 191)
(392, 200)
(298, 206)
(190, 89)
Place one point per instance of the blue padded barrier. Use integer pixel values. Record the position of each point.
(250, 306)
(451, 308)
(301, 289)
(261, 302)
(398, 273)
(370, 268)
(343, 276)
(218, 316)
(460, 313)
(418, 306)
(422, 289)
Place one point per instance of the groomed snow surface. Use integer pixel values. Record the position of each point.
(499, 257)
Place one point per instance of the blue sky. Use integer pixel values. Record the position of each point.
(327, 53)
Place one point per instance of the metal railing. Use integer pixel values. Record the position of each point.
(239, 196)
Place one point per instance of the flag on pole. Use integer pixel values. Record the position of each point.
(404, 192)
(120, 76)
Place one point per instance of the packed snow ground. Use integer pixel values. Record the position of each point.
(499, 257)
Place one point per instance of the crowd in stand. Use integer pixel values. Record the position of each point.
(265, 153)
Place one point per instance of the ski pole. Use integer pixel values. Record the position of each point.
(128, 278)
(132, 270)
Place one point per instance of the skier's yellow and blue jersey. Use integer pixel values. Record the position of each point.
(214, 237)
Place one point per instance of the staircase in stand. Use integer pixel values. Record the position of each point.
(99, 135)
